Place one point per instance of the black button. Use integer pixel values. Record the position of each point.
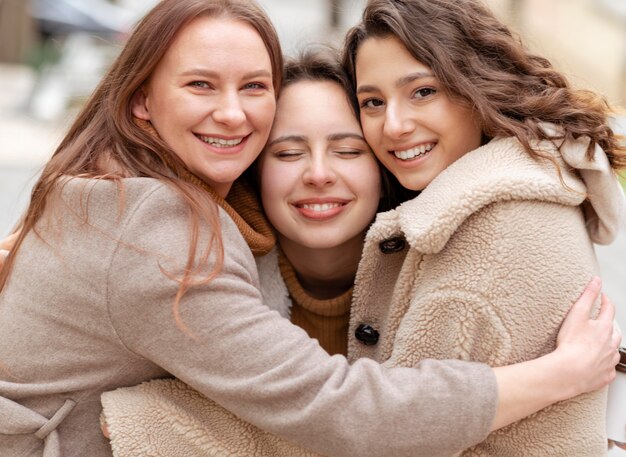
(392, 245)
(366, 334)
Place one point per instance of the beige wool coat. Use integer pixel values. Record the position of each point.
(483, 265)
(88, 309)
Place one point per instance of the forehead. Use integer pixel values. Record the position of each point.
(218, 37)
(385, 57)
(315, 105)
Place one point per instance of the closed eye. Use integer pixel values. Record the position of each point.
(289, 154)
(348, 153)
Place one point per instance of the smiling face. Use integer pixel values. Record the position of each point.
(412, 125)
(320, 183)
(211, 98)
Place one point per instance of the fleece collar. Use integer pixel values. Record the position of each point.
(498, 171)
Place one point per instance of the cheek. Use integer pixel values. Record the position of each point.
(365, 182)
(372, 132)
(275, 186)
(373, 190)
(261, 112)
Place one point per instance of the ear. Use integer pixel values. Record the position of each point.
(139, 106)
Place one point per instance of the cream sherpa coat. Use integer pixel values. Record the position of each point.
(487, 260)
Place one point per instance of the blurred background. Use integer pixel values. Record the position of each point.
(53, 52)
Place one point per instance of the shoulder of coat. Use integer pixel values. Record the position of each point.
(496, 172)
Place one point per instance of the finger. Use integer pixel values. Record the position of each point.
(584, 304)
(3, 254)
(617, 337)
(607, 309)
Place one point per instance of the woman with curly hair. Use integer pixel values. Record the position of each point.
(516, 173)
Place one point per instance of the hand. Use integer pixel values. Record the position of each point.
(105, 430)
(589, 346)
(615, 443)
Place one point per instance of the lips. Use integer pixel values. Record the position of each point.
(320, 209)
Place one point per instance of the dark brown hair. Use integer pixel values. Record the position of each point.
(481, 64)
(104, 141)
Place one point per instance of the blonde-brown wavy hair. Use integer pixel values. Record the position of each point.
(104, 142)
(482, 64)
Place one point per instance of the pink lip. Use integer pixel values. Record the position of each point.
(310, 213)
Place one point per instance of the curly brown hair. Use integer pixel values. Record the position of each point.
(482, 64)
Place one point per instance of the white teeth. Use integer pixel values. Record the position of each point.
(414, 152)
(220, 142)
(321, 207)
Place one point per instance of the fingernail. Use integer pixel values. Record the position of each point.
(4, 253)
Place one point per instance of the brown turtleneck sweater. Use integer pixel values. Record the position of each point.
(325, 320)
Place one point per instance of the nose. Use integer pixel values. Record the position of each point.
(397, 122)
(319, 171)
(229, 110)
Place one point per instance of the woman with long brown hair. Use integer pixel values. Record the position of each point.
(131, 266)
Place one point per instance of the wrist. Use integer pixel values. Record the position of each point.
(561, 377)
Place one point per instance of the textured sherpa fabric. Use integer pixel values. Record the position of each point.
(496, 252)
(175, 420)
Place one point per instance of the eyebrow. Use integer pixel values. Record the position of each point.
(214, 74)
(303, 139)
(400, 82)
(282, 139)
(343, 136)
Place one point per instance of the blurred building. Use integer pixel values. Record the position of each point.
(17, 35)
(586, 39)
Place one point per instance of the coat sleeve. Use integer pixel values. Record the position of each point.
(257, 365)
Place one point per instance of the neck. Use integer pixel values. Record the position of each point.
(221, 189)
(324, 272)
